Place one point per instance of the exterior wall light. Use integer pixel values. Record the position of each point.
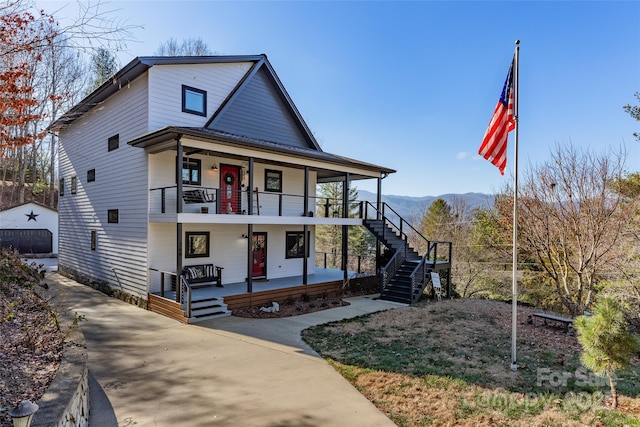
(23, 413)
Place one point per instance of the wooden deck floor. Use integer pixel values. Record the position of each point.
(322, 275)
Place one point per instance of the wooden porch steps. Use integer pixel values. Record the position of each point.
(205, 309)
(166, 307)
(201, 310)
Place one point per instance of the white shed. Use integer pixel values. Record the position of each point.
(31, 228)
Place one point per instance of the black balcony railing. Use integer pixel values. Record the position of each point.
(197, 199)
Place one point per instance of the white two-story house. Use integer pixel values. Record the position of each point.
(181, 161)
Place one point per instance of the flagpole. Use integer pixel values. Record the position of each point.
(514, 287)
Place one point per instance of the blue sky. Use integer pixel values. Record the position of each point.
(412, 85)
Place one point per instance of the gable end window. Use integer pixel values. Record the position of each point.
(295, 244)
(74, 184)
(194, 101)
(91, 175)
(61, 187)
(114, 142)
(191, 171)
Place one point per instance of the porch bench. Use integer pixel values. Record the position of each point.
(197, 196)
(565, 321)
(200, 275)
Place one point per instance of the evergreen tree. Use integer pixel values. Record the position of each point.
(329, 237)
(607, 344)
(634, 112)
(437, 221)
(103, 65)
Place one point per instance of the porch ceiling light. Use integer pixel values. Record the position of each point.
(23, 413)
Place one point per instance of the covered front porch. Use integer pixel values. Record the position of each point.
(321, 275)
(222, 300)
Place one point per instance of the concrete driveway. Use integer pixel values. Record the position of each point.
(148, 370)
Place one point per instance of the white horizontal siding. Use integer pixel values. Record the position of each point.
(162, 175)
(121, 183)
(165, 90)
(228, 249)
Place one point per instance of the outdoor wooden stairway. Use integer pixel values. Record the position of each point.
(406, 275)
(192, 309)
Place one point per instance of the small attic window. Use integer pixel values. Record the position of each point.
(194, 101)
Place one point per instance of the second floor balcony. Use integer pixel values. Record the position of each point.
(245, 205)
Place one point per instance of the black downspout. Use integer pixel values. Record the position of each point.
(379, 198)
(306, 191)
(345, 228)
(305, 229)
(378, 216)
(249, 258)
(250, 189)
(250, 229)
(178, 211)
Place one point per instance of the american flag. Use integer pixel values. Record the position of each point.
(494, 143)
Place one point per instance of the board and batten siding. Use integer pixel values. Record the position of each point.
(258, 111)
(120, 183)
(165, 90)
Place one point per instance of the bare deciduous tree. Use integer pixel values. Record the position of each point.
(571, 223)
(39, 77)
(188, 47)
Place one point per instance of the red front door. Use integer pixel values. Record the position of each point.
(229, 189)
(259, 261)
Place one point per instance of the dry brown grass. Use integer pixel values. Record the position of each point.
(447, 364)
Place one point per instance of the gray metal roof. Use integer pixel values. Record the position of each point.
(164, 139)
(134, 69)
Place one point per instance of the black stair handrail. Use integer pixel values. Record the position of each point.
(419, 273)
(432, 245)
(391, 268)
(386, 220)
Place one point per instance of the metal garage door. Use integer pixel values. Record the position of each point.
(27, 241)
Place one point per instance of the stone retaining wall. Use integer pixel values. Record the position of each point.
(66, 402)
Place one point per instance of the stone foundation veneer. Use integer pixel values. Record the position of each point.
(102, 286)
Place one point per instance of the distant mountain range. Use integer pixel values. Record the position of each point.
(412, 207)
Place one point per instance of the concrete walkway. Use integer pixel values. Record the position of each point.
(148, 370)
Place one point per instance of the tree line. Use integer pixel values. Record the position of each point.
(578, 231)
(46, 67)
